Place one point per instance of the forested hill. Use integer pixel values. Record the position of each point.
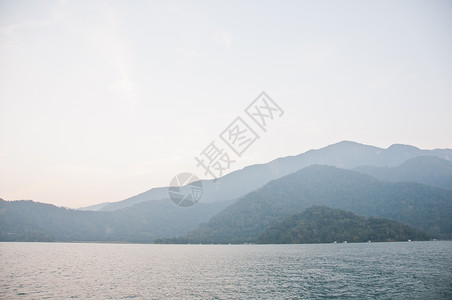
(322, 224)
(142, 223)
(429, 170)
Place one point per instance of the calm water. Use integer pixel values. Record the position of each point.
(416, 270)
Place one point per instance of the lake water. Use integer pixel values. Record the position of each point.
(415, 270)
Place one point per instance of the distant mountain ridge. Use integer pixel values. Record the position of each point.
(242, 219)
(420, 206)
(345, 154)
(429, 170)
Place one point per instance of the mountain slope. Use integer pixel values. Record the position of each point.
(428, 170)
(16, 227)
(423, 207)
(321, 224)
(32, 221)
(344, 154)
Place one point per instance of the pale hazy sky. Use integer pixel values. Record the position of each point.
(102, 100)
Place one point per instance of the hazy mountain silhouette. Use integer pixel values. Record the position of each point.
(344, 154)
(135, 220)
(144, 222)
(420, 206)
(428, 170)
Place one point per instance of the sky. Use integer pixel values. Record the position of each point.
(102, 100)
